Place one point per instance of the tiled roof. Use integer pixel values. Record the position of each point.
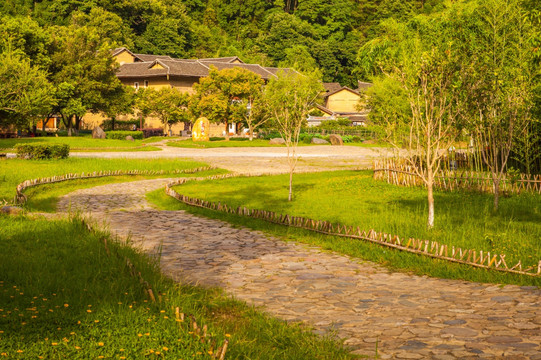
(265, 74)
(186, 67)
(332, 87)
(146, 57)
(363, 85)
(229, 59)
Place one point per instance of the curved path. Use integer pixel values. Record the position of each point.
(409, 317)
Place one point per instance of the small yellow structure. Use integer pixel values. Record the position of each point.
(200, 130)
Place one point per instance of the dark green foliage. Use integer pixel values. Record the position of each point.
(121, 135)
(107, 125)
(40, 151)
(150, 132)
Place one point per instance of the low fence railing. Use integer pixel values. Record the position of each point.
(20, 197)
(398, 173)
(434, 249)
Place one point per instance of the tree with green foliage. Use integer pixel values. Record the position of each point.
(84, 73)
(167, 104)
(425, 65)
(288, 99)
(223, 95)
(25, 93)
(498, 52)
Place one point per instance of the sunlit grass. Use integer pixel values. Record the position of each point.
(354, 198)
(82, 143)
(15, 171)
(220, 143)
(64, 295)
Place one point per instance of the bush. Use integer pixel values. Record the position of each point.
(127, 125)
(39, 151)
(356, 139)
(150, 132)
(121, 135)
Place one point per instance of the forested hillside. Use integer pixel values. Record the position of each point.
(302, 33)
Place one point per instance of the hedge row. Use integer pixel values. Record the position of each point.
(39, 151)
(121, 135)
(107, 125)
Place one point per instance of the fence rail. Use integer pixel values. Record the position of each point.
(402, 174)
(20, 197)
(481, 259)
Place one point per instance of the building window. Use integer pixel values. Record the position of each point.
(136, 86)
(146, 84)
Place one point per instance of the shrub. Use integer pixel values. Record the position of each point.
(347, 138)
(150, 132)
(356, 139)
(121, 135)
(107, 125)
(42, 151)
(216, 138)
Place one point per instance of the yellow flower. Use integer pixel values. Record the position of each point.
(139, 335)
(165, 348)
(19, 351)
(66, 305)
(227, 335)
(54, 344)
(96, 321)
(89, 311)
(100, 344)
(78, 348)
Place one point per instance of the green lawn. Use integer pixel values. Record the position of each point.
(15, 171)
(246, 143)
(354, 198)
(85, 143)
(220, 143)
(65, 295)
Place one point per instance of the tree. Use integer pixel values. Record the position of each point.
(255, 115)
(289, 98)
(168, 104)
(223, 95)
(425, 65)
(84, 73)
(499, 79)
(25, 94)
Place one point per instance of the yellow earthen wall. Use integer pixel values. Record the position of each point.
(343, 101)
(124, 58)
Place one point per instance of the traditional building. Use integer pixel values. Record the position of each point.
(342, 102)
(159, 71)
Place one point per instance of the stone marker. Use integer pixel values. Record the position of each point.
(11, 210)
(98, 133)
(336, 139)
(319, 141)
(277, 141)
(200, 130)
(130, 138)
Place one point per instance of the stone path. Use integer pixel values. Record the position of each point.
(409, 317)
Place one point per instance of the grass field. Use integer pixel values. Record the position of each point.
(15, 171)
(65, 295)
(220, 143)
(354, 198)
(86, 143)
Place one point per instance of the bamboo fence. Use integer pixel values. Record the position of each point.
(480, 259)
(402, 174)
(20, 198)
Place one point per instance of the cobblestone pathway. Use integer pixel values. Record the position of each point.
(409, 317)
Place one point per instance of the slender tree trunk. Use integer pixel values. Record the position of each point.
(290, 197)
(251, 130)
(113, 123)
(226, 130)
(430, 188)
(496, 182)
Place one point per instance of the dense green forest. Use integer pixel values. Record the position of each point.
(302, 33)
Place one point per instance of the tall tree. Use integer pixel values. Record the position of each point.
(167, 104)
(25, 93)
(84, 73)
(223, 96)
(289, 98)
(425, 65)
(500, 51)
